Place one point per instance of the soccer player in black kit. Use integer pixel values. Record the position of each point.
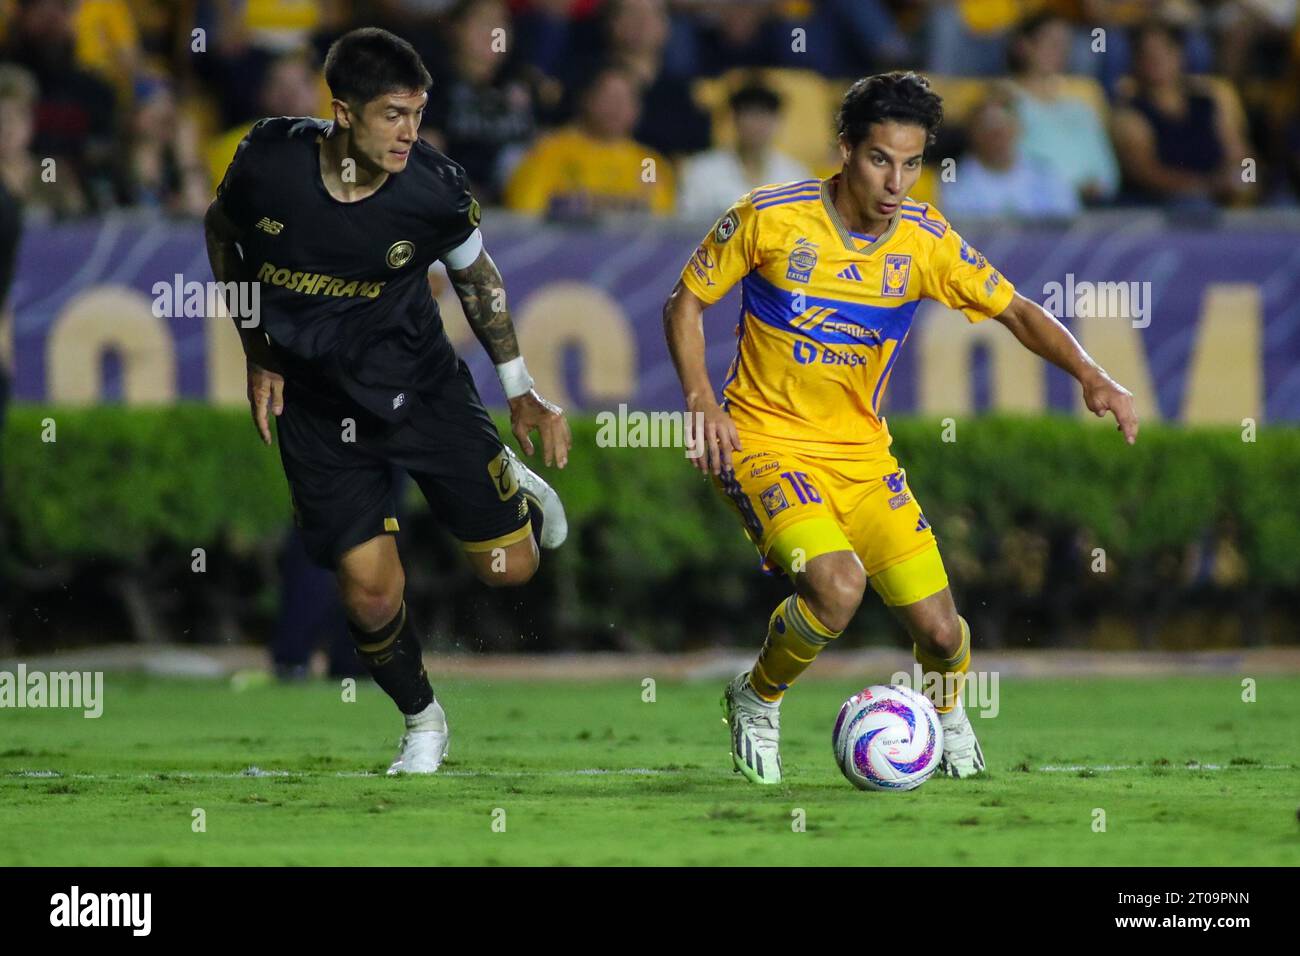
(339, 223)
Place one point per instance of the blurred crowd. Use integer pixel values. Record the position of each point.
(576, 109)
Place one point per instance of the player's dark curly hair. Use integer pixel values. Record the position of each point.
(898, 96)
(371, 62)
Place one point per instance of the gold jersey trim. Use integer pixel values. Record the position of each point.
(843, 231)
(504, 541)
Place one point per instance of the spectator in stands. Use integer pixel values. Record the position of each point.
(415, 14)
(594, 167)
(847, 38)
(712, 181)
(1058, 128)
(1117, 19)
(290, 87)
(1177, 137)
(635, 35)
(108, 44)
(165, 31)
(167, 170)
(970, 37)
(996, 179)
(249, 35)
(1254, 37)
(480, 110)
(733, 36)
(75, 111)
(418, 21)
(20, 173)
(549, 31)
(559, 9)
(280, 26)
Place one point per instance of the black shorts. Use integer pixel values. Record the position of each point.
(342, 490)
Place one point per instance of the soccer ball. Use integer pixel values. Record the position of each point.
(888, 738)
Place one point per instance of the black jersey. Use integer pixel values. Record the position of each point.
(344, 294)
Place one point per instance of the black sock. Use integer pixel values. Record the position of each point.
(535, 517)
(392, 655)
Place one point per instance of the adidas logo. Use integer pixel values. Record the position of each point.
(850, 273)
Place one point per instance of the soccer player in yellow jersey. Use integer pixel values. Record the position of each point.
(832, 272)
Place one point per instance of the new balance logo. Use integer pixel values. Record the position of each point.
(503, 476)
(269, 226)
(851, 273)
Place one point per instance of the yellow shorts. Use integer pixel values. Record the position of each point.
(795, 507)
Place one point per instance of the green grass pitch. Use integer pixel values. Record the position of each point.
(588, 773)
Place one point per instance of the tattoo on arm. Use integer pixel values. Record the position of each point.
(229, 266)
(483, 297)
(221, 235)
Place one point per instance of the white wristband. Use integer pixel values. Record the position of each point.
(514, 377)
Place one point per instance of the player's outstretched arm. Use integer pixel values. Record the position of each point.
(482, 296)
(1040, 332)
(684, 329)
(265, 384)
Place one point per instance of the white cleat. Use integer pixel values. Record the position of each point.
(755, 726)
(962, 756)
(425, 745)
(540, 495)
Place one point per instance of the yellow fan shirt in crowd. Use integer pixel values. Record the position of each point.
(569, 173)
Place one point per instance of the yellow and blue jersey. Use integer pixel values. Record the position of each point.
(825, 311)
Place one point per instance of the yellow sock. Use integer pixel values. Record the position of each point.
(952, 668)
(794, 639)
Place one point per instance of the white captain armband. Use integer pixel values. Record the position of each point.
(463, 256)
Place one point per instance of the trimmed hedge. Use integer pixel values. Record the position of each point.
(116, 480)
(650, 533)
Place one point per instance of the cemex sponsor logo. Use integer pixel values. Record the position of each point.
(868, 336)
(74, 909)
